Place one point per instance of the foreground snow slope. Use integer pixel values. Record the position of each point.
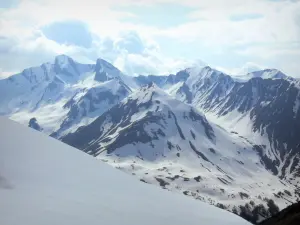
(43, 181)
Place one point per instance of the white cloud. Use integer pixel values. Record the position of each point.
(4, 75)
(135, 64)
(269, 39)
(278, 24)
(22, 43)
(135, 54)
(129, 52)
(285, 57)
(268, 51)
(248, 67)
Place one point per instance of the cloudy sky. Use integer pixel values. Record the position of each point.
(152, 36)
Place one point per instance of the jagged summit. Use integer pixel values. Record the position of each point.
(101, 63)
(150, 87)
(148, 93)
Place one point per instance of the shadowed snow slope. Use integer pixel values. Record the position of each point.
(43, 181)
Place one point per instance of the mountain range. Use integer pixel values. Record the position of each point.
(231, 141)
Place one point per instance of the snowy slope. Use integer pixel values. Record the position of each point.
(43, 181)
(168, 143)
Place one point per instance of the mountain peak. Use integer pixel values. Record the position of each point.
(268, 74)
(100, 60)
(151, 87)
(62, 59)
(105, 71)
(101, 63)
(264, 74)
(147, 91)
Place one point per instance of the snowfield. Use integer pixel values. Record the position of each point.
(43, 181)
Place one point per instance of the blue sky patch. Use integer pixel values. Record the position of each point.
(9, 3)
(69, 33)
(242, 17)
(160, 15)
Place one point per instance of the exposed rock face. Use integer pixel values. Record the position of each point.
(287, 216)
(34, 124)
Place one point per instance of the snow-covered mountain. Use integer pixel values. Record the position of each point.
(62, 95)
(266, 111)
(43, 181)
(166, 142)
(262, 106)
(160, 129)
